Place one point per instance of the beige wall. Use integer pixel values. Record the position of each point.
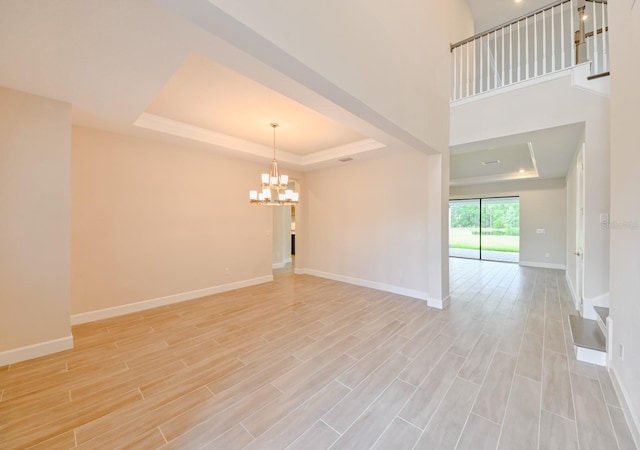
(625, 213)
(152, 220)
(367, 223)
(34, 226)
(542, 205)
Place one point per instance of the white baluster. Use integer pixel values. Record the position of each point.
(535, 45)
(461, 81)
(495, 59)
(454, 62)
(526, 46)
(502, 80)
(488, 64)
(553, 42)
(510, 54)
(475, 50)
(519, 72)
(467, 45)
(544, 44)
(481, 64)
(605, 34)
(595, 67)
(562, 37)
(572, 35)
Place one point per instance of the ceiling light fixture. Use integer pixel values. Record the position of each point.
(274, 187)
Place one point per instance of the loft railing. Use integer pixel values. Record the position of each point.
(553, 38)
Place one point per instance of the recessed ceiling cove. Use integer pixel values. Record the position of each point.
(209, 102)
(511, 162)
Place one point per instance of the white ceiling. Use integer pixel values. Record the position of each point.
(133, 67)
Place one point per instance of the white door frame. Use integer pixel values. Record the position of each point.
(579, 244)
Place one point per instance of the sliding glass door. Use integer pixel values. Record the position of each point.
(485, 228)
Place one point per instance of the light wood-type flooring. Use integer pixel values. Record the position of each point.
(308, 363)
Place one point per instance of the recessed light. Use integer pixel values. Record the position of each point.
(518, 1)
(521, 170)
(492, 161)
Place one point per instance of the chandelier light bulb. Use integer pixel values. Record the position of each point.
(274, 187)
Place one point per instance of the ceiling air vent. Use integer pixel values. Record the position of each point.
(345, 159)
(490, 162)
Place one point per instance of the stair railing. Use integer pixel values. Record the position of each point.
(544, 41)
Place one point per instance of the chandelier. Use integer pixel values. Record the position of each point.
(274, 187)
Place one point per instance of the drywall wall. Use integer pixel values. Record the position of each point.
(624, 226)
(154, 222)
(512, 111)
(367, 227)
(542, 206)
(35, 149)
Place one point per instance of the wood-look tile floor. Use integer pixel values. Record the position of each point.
(308, 363)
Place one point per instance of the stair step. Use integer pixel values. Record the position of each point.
(587, 334)
(588, 340)
(602, 314)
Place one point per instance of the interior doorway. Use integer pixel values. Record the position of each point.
(284, 230)
(485, 228)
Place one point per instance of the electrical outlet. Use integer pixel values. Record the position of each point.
(621, 352)
(227, 272)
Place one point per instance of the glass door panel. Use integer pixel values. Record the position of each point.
(500, 229)
(464, 228)
(485, 228)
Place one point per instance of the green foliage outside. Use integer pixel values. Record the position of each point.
(500, 226)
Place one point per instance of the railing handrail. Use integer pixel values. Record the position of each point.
(515, 21)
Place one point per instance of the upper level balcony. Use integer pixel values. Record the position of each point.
(559, 36)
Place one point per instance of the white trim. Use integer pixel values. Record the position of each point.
(543, 265)
(591, 356)
(572, 291)
(439, 303)
(632, 419)
(107, 313)
(35, 350)
(185, 130)
(517, 85)
(279, 265)
(421, 295)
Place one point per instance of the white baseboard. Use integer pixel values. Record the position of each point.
(543, 265)
(572, 291)
(278, 265)
(35, 350)
(632, 419)
(421, 295)
(107, 313)
(439, 303)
